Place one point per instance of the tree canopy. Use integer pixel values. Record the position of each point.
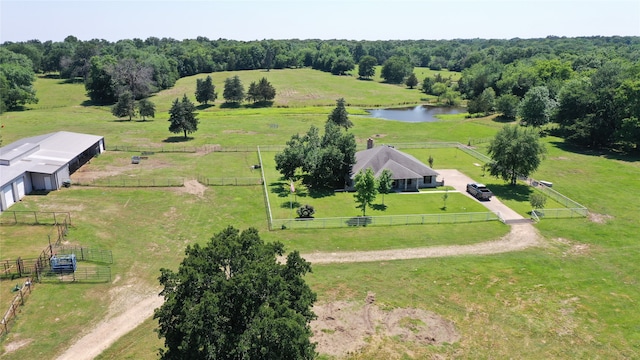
(515, 151)
(536, 108)
(339, 115)
(16, 79)
(205, 90)
(232, 299)
(396, 69)
(183, 117)
(366, 189)
(326, 161)
(233, 90)
(367, 67)
(261, 92)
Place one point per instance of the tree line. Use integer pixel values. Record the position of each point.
(602, 70)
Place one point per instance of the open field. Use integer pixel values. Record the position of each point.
(575, 296)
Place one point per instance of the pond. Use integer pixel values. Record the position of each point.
(420, 113)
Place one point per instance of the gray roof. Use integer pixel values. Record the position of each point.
(42, 154)
(402, 165)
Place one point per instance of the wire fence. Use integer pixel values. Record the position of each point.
(129, 182)
(87, 254)
(23, 293)
(98, 274)
(230, 181)
(13, 217)
(265, 192)
(390, 220)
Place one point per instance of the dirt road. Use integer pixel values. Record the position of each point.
(105, 333)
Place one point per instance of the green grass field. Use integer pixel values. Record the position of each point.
(573, 297)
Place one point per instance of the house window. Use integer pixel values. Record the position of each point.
(394, 184)
(427, 179)
(408, 181)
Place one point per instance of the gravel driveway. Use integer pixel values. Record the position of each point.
(459, 181)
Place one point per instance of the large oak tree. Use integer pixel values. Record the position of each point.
(232, 299)
(515, 151)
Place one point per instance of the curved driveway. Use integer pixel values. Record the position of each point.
(459, 181)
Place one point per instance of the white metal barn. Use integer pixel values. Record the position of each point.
(43, 163)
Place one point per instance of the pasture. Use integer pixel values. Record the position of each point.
(573, 296)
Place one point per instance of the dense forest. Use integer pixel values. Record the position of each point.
(589, 86)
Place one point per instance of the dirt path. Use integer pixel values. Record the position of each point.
(105, 333)
(519, 238)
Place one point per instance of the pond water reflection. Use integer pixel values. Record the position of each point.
(420, 113)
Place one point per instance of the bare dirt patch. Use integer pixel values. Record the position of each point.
(599, 218)
(243, 132)
(574, 248)
(345, 327)
(194, 187)
(130, 305)
(15, 345)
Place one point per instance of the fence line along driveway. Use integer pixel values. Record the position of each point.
(459, 181)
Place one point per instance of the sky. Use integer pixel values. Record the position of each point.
(22, 20)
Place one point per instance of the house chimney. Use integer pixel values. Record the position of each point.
(369, 143)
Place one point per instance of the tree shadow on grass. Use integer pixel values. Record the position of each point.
(290, 205)
(204, 106)
(260, 104)
(230, 105)
(379, 207)
(177, 139)
(503, 119)
(609, 154)
(316, 193)
(359, 221)
(280, 189)
(518, 192)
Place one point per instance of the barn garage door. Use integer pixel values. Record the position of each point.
(7, 192)
(20, 184)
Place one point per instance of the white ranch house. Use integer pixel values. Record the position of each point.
(43, 162)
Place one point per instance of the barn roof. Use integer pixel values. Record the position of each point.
(402, 165)
(42, 154)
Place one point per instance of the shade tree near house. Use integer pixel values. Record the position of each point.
(182, 117)
(366, 189)
(232, 299)
(515, 151)
(385, 182)
(325, 162)
(205, 90)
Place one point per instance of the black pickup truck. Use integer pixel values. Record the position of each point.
(479, 191)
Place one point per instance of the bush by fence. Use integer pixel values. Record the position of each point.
(390, 220)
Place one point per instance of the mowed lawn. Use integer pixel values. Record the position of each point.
(574, 296)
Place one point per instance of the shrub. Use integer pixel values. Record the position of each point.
(306, 211)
